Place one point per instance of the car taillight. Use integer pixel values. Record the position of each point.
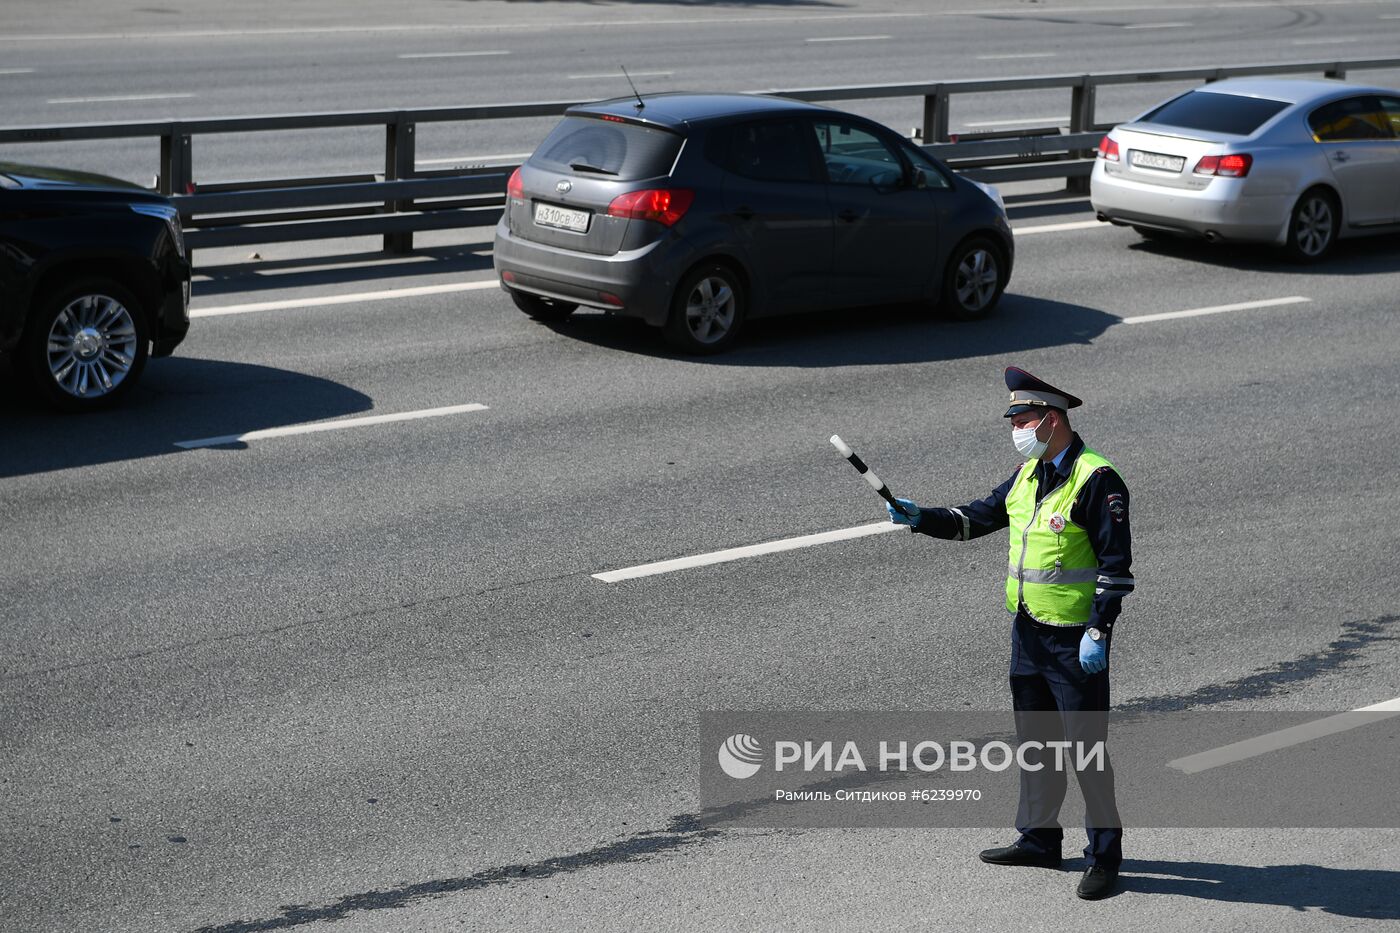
(1108, 149)
(1227, 166)
(515, 188)
(663, 205)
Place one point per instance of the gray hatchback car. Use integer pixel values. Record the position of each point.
(697, 212)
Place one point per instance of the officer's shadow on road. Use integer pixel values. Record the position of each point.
(884, 335)
(1366, 893)
(178, 398)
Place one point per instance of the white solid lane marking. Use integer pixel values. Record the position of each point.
(1217, 309)
(1157, 26)
(474, 54)
(998, 58)
(16, 71)
(316, 427)
(343, 299)
(848, 39)
(752, 550)
(116, 100)
(1056, 228)
(1283, 738)
(618, 74)
(1048, 121)
(1341, 40)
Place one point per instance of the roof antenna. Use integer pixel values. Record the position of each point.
(641, 104)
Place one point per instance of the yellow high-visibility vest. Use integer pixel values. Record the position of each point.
(1052, 570)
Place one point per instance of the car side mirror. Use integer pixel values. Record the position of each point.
(920, 180)
(885, 182)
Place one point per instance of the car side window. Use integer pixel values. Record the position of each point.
(1390, 107)
(856, 156)
(1350, 120)
(768, 150)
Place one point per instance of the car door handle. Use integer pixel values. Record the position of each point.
(849, 216)
(1340, 157)
(744, 213)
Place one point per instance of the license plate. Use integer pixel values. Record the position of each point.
(565, 218)
(1166, 163)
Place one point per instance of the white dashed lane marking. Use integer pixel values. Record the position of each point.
(116, 100)
(355, 298)
(478, 53)
(317, 427)
(752, 550)
(1059, 228)
(1216, 309)
(1283, 738)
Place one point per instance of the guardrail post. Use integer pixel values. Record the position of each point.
(176, 153)
(1337, 71)
(1081, 120)
(936, 116)
(399, 162)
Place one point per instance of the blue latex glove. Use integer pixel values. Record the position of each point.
(911, 519)
(1093, 655)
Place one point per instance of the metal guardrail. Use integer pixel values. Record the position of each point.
(403, 199)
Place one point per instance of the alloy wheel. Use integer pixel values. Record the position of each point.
(710, 309)
(976, 279)
(1313, 230)
(91, 346)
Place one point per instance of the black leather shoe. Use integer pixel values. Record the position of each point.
(1015, 855)
(1097, 883)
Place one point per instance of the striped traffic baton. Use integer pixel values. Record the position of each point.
(875, 482)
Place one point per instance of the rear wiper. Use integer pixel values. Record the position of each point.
(585, 167)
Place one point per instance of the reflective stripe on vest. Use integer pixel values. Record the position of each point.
(1052, 574)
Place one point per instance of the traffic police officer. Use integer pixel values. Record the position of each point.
(1070, 566)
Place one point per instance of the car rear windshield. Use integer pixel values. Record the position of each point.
(1216, 113)
(607, 149)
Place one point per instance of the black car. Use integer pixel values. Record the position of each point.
(697, 211)
(93, 277)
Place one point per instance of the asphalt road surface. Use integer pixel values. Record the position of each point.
(365, 679)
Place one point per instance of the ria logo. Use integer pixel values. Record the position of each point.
(740, 756)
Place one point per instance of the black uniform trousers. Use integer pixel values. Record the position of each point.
(1046, 679)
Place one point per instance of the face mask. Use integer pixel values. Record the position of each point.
(1026, 443)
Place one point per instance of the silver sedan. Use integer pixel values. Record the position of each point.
(1299, 163)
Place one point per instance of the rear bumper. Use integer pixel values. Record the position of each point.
(641, 281)
(1222, 210)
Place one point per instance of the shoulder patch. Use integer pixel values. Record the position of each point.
(1116, 506)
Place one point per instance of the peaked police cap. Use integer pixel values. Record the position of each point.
(1029, 393)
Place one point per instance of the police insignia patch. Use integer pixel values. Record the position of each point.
(1117, 507)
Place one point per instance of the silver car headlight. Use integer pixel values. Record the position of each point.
(172, 222)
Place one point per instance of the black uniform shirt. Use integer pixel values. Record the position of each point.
(1101, 509)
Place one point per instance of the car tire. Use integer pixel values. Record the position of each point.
(86, 344)
(1313, 226)
(707, 310)
(973, 280)
(542, 309)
